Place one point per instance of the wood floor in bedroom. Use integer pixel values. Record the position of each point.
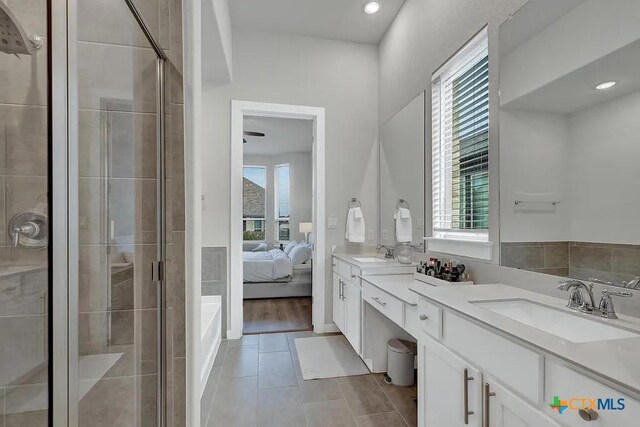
(277, 315)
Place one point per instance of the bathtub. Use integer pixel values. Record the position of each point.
(210, 335)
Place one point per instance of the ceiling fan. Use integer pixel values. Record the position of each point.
(250, 133)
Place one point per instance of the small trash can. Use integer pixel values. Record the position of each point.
(400, 356)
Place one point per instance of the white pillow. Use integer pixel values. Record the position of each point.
(292, 244)
(300, 254)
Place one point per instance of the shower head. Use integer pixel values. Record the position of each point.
(13, 39)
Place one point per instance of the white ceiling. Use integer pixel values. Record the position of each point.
(281, 136)
(576, 91)
(333, 19)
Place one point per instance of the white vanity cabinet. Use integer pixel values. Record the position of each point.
(505, 383)
(502, 408)
(450, 388)
(566, 383)
(352, 309)
(338, 302)
(347, 302)
(458, 394)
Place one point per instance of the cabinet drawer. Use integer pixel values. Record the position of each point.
(517, 367)
(564, 382)
(387, 304)
(429, 317)
(343, 269)
(355, 272)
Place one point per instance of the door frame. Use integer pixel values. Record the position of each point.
(239, 109)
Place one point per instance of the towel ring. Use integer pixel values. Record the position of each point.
(402, 203)
(354, 203)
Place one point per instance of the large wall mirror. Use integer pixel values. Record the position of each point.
(402, 176)
(570, 139)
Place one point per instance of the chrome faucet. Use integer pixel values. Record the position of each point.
(606, 304)
(577, 291)
(631, 284)
(388, 251)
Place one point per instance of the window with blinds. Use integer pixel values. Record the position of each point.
(460, 151)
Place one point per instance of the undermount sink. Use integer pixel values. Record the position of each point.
(370, 259)
(576, 328)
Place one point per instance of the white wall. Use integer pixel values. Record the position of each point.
(573, 41)
(340, 76)
(586, 160)
(216, 50)
(534, 166)
(301, 175)
(605, 173)
(422, 37)
(402, 169)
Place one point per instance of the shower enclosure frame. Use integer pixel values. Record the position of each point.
(63, 196)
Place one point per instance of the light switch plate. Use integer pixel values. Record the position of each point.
(385, 234)
(420, 225)
(372, 234)
(332, 223)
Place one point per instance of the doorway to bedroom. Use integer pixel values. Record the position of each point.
(278, 239)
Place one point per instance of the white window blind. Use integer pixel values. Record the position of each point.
(460, 144)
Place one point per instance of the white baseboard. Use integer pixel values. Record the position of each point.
(325, 328)
(369, 364)
(233, 335)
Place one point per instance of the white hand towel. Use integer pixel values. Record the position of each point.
(404, 228)
(355, 226)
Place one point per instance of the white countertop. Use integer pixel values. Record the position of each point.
(614, 361)
(391, 266)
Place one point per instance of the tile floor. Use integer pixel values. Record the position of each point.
(257, 381)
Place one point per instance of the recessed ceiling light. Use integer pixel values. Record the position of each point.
(371, 7)
(605, 85)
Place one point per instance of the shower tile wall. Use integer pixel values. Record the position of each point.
(23, 185)
(171, 33)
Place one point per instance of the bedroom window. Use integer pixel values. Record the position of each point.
(254, 202)
(282, 202)
(460, 137)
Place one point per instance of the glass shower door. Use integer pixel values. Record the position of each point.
(24, 206)
(119, 225)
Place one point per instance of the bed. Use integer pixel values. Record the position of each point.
(272, 274)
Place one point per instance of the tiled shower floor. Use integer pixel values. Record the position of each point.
(257, 381)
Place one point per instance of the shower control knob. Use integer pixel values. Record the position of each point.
(29, 229)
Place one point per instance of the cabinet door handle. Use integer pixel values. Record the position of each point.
(376, 299)
(487, 407)
(425, 317)
(341, 289)
(588, 414)
(467, 412)
(353, 276)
